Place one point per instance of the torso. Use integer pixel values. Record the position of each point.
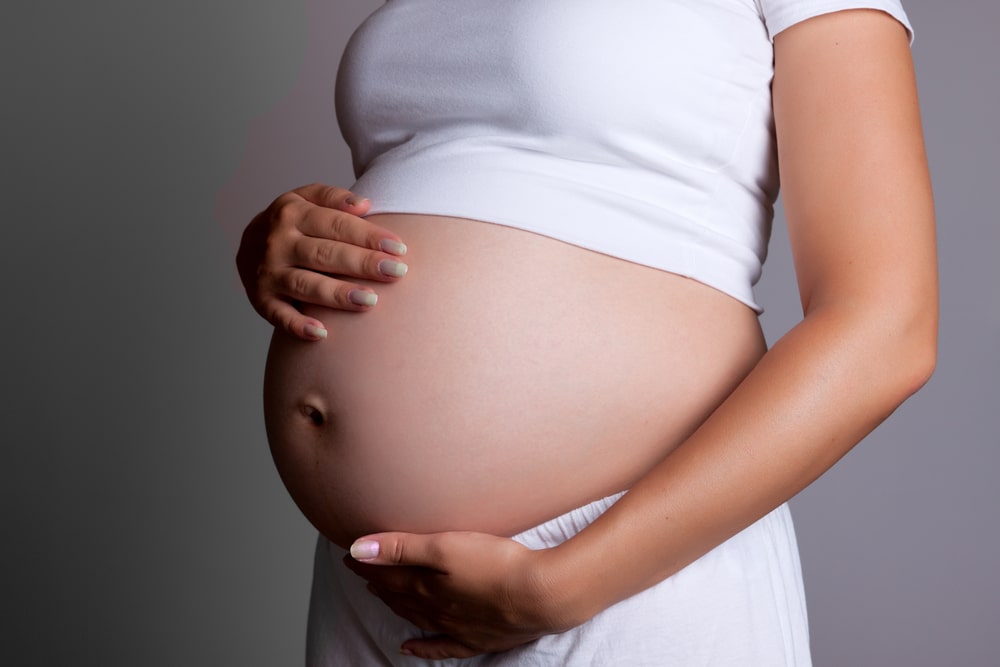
(508, 378)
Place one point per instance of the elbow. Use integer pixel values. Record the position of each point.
(923, 337)
(893, 347)
(911, 345)
(920, 365)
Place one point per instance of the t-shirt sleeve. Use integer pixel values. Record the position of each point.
(781, 14)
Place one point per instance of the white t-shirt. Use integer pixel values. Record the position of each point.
(640, 128)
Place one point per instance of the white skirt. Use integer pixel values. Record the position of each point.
(740, 605)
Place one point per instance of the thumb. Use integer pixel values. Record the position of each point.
(397, 549)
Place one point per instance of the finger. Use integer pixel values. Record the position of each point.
(330, 197)
(327, 196)
(356, 205)
(401, 549)
(320, 290)
(405, 608)
(284, 316)
(347, 260)
(338, 225)
(400, 580)
(437, 648)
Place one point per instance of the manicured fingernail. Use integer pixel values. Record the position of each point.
(364, 550)
(362, 297)
(388, 267)
(354, 200)
(392, 247)
(315, 331)
(405, 651)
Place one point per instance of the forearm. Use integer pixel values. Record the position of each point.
(819, 391)
(857, 199)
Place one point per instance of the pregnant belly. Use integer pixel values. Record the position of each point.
(507, 379)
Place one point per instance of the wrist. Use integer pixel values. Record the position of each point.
(564, 595)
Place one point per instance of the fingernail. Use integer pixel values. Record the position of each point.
(389, 267)
(315, 331)
(362, 297)
(354, 200)
(392, 247)
(364, 550)
(405, 651)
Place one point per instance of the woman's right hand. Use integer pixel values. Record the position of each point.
(305, 247)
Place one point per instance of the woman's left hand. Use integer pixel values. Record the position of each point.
(480, 593)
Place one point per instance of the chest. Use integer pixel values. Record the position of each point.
(593, 79)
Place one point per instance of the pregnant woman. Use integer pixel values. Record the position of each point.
(559, 438)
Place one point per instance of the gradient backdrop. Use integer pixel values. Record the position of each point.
(142, 522)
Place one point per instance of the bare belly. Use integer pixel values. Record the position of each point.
(505, 380)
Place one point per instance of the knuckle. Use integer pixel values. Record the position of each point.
(274, 249)
(287, 214)
(373, 237)
(339, 227)
(310, 190)
(329, 293)
(297, 283)
(271, 311)
(396, 551)
(284, 200)
(337, 196)
(327, 195)
(341, 296)
(326, 255)
(264, 277)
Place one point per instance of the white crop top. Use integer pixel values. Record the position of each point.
(637, 128)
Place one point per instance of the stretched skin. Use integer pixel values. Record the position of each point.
(860, 213)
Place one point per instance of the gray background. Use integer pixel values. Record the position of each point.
(142, 521)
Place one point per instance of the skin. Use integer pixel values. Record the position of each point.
(858, 201)
(312, 230)
(857, 197)
(480, 391)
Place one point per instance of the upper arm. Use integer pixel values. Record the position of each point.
(854, 175)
